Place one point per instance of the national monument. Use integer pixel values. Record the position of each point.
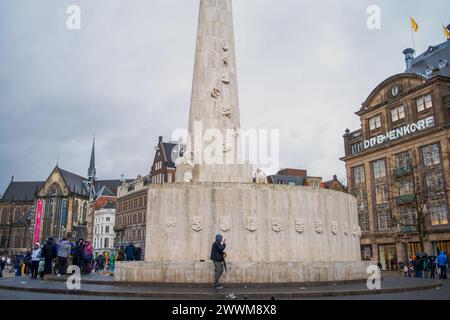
(275, 233)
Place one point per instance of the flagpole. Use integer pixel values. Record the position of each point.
(413, 37)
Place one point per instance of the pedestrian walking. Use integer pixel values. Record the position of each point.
(88, 255)
(112, 262)
(79, 255)
(426, 267)
(100, 263)
(49, 254)
(63, 255)
(16, 264)
(432, 266)
(35, 259)
(418, 267)
(218, 257)
(2, 266)
(406, 271)
(442, 262)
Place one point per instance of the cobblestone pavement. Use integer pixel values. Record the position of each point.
(107, 290)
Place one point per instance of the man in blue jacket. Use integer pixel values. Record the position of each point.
(442, 264)
(218, 257)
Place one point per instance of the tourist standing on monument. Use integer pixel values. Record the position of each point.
(218, 257)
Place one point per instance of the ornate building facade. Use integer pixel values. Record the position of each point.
(16, 215)
(397, 162)
(131, 213)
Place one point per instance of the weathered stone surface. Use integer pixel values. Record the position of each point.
(203, 272)
(182, 253)
(214, 100)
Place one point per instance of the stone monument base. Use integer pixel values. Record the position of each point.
(242, 273)
(274, 233)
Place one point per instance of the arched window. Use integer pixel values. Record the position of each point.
(4, 217)
(84, 214)
(3, 239)
(17, 239)
(17, 215)
(54, 190)
(76, 209)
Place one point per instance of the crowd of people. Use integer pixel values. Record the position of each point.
(54, 257)
(426, 267)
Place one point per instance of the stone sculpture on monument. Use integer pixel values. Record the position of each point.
(275, 233)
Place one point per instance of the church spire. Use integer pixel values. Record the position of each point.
(92, 171)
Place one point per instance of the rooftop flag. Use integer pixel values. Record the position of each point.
(414, 25)
(446, 32)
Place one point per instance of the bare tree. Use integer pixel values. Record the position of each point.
(416, 188)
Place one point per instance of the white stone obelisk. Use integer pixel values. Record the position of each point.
(214, 146)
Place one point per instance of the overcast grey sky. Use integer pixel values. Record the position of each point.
(304, 67)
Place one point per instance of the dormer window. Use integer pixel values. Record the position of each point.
(375, 123)
(424, 103)
(443, 63)
(398, 113)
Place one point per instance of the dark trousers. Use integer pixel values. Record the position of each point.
(1, 273)
(34, 269)
(218, 272)
(62, 265)
(48, 266)
(443, 274)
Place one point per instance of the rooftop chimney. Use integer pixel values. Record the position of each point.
(160, 139)
(409, 57)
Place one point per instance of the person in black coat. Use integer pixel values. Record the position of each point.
(218, 257)
(78, 254)
(49, 253)
(2, 266)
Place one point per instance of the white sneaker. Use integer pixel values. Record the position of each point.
(59, 275)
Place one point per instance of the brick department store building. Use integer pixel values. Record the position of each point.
(404, 137)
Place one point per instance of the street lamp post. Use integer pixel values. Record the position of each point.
(405, 239)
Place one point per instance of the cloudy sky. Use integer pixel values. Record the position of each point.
(304, 67)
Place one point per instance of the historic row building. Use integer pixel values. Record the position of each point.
(131, 213)
(104, 222)
(56, 207)
(16, 215)
(299, 177)
(398, 162)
